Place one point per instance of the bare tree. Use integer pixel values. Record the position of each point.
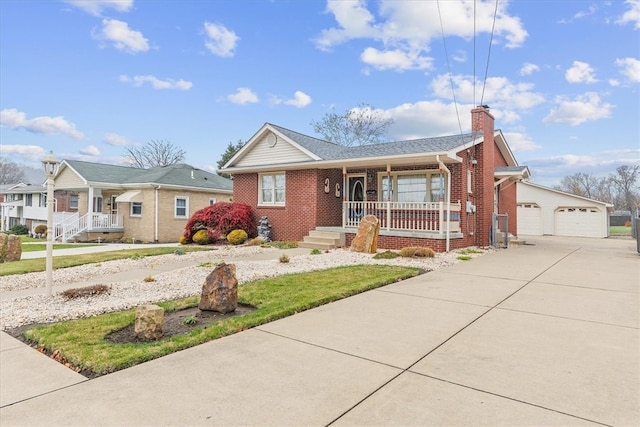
(624, 180)
(154, 153)
(10, 172)
(362, 125)
(580, 184)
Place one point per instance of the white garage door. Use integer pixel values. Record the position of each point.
(529, 219)
(578, 222)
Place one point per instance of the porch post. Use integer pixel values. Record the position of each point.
(344, 196)
(90, 209)
(389, 197)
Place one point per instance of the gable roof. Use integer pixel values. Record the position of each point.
(608, 206)
(176, 175)
(309, 152)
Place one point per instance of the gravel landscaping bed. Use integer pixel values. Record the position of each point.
(179, 283)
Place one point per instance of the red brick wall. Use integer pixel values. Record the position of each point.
(306, 203)
(483, 121)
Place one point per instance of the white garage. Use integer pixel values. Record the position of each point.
(543, 210)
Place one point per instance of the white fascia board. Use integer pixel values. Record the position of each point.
(553, 190)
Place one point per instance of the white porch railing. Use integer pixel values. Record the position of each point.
(96, 221)
(405, 216)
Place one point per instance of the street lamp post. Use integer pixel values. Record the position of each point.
(50, 167)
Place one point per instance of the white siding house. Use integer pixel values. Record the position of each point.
(545, 211)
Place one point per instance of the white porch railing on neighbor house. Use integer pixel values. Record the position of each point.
(97, 221)
(404, 216)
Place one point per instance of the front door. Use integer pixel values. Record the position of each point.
(356, 192)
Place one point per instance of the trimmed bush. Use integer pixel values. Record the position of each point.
(19, 229)
(237, 237)
(201, 238)
(41, 229)
(417, 252)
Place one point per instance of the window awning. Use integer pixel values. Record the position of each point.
(130, 196)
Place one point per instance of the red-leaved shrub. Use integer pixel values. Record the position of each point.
(221, 218)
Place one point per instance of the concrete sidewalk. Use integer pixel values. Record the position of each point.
(104, 247)
(542, 334)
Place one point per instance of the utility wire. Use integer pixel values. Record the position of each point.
(446, 53)
(486, 71)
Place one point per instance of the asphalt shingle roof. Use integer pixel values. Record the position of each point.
(180, 174)
(330, 151)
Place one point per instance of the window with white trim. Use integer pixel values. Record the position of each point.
(181, 207)
(136, 209)
(73, 201)
(28, 201)
(412, 186)
(271, 189)
(212, 201)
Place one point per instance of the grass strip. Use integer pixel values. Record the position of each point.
(38, 264)
(82, 342)
(33, 247)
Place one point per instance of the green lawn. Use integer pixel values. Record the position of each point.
(619, 230)
(33, 247)
(82, 342)
(38, 264)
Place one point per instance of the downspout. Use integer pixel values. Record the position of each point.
(444, 167)
(344, 196)
(155, 222)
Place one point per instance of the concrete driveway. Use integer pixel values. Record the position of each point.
(538, 335)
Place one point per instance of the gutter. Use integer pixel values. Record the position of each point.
(155, 222)
(444, 167)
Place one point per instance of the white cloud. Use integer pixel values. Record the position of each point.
(33, 153)
(583, 108)
(630, 68)
(122, 37)
(581, 14)
(580, 72)
(90, 150)
(399, 60)
(156, 83)
(401, 32)
(528, 69)
(520, 142)
(614, 82)
(632, 15)
(426, 119)
(243, 95)
(300, 100)
(46, 125)
(220, 41)
(499, 92)
(95, 7)
(115, 140)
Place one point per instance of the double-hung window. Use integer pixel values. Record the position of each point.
(412, 186)
(181, 209)
(272, 189)
(73, 201)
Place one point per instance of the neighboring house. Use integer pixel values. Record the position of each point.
(545, 211)
(26, 204)
(440, 192)
(148, 205)
(620, 218)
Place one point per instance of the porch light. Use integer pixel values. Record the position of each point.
(50, 167)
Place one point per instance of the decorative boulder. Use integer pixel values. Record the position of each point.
(366, 239)
(220, 290)
(10, 248)
(149, 320)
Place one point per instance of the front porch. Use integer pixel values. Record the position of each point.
(88, 223)
(401, 224)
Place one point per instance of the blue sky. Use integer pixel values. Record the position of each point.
(87, 78)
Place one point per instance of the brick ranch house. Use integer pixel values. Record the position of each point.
(122, 202)
(439, 192)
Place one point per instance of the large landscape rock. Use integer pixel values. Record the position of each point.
(10, 248)
(149, 320)
(366, 239)
(220, 290)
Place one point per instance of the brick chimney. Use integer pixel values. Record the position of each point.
(483, 121)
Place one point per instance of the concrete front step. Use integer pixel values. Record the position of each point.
(322, 240)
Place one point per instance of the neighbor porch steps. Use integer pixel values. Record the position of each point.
(322, 240)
